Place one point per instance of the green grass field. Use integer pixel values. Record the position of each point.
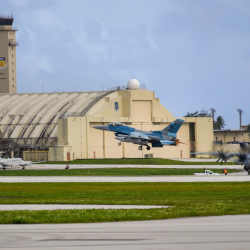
(185, 199)
(109, 172)
(142, 161)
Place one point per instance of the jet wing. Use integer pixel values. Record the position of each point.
(134, 138)
(139, 135)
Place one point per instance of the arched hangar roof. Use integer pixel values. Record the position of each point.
(35, 115)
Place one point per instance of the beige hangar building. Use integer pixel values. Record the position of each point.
(62, 123)
(59, 126)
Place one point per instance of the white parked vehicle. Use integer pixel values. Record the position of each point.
(207, 172)
(6, 163)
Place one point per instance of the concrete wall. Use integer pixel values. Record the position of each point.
(60, 153)
(203, 133)
(231, 135)
(35, 156)
(225, 136)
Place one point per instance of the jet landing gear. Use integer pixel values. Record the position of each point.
(147, 147)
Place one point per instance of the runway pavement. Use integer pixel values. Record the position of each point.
(206, 233)
(193, 178)
(11, 207)
(91, 166)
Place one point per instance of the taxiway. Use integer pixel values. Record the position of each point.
(222, 232)
(192, 178)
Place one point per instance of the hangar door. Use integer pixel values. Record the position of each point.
(141, 111)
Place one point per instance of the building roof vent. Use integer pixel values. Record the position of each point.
(6, 20)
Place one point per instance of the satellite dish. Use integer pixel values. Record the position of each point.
(133, 84)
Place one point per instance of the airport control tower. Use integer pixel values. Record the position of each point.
(7, 56)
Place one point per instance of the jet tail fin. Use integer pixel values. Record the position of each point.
(173, 127)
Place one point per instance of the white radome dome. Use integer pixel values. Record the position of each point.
(133, 84)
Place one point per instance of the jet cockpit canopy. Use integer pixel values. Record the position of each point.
(116, 124)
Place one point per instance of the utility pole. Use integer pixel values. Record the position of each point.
(240, 111)
(213, 111)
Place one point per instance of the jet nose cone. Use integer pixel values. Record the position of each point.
(102, 127)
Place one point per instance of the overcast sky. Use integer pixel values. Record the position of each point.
(194, 54)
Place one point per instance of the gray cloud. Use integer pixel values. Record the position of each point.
(194, 54)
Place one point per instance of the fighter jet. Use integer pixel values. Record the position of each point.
(243, 159)
(243, 156)
(13, 163)
(167, 136)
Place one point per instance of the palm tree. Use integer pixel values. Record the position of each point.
(248, 127)
(219, 123)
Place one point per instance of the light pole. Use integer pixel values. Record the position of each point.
(213, 111)
(240, 111)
